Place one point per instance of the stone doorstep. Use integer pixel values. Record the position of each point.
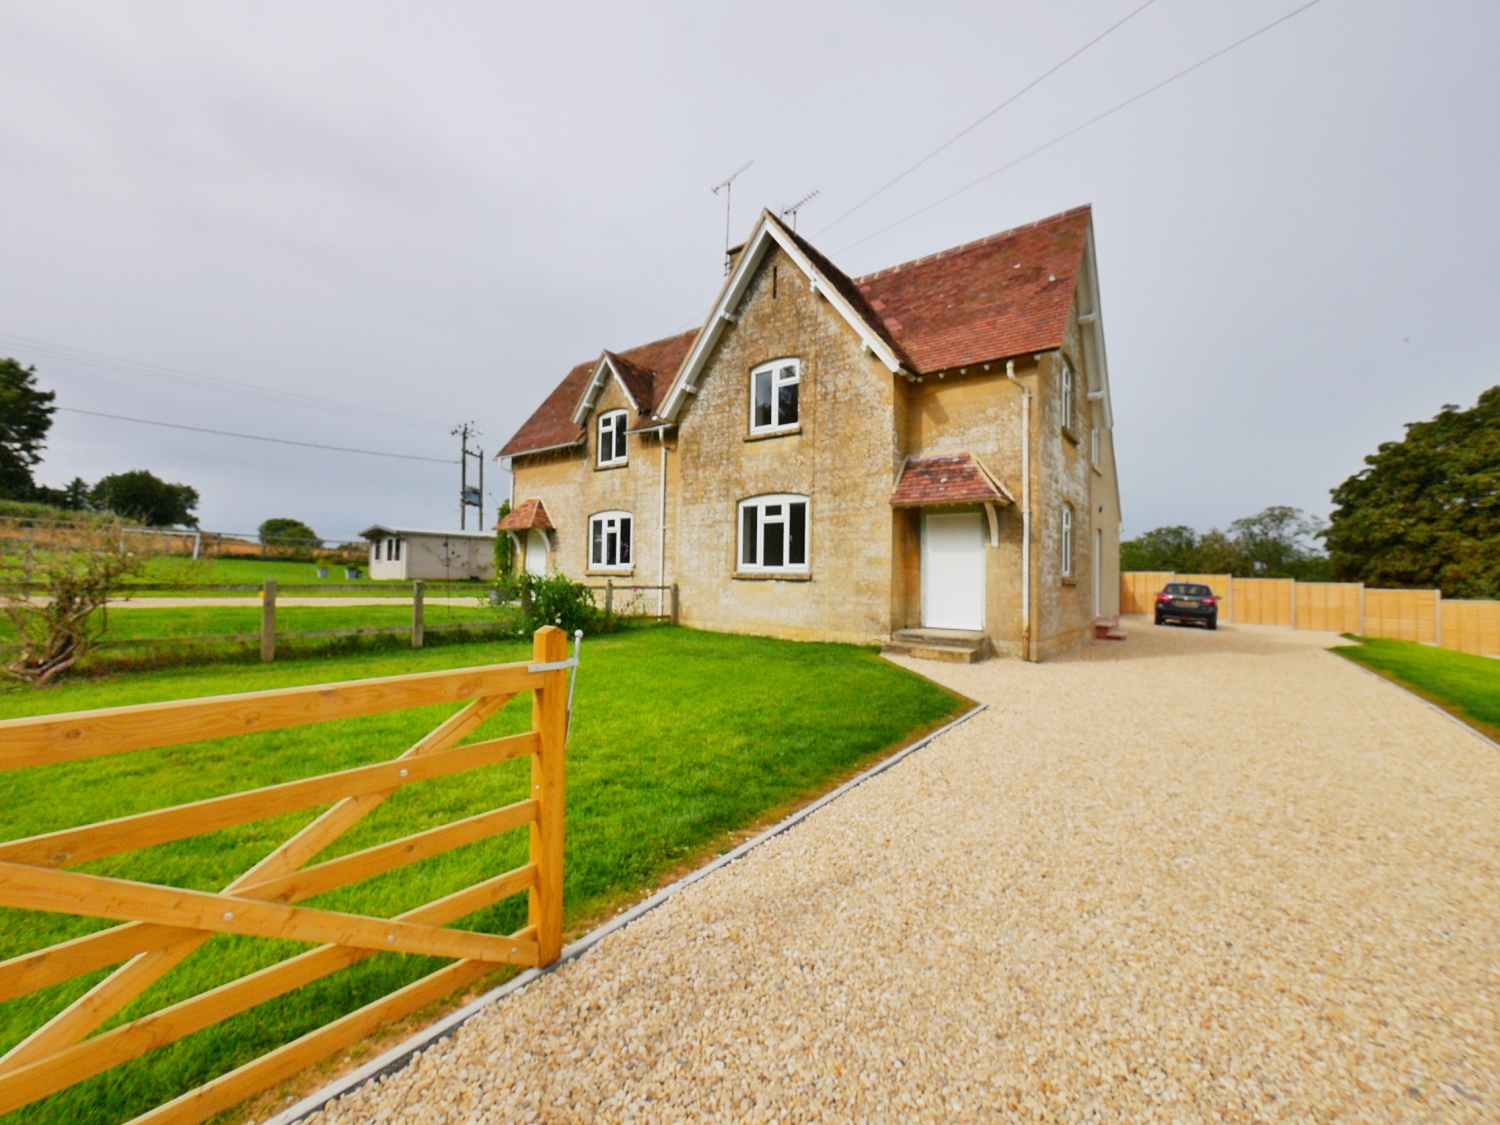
(954, 646)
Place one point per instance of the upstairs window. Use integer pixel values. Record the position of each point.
(1067, 541)
(773, 396)
(612, 437)
(1094, 446)
(609, 541)
(1067, 395)
(773, 534)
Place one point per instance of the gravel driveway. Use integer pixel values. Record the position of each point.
(1192, 877)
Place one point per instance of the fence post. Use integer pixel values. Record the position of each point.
(416, 614)
(1294, 603)
(1437, 619)
(674, 604)
(268, 621)
(549, 718)
(1229, 598)
(609, 596)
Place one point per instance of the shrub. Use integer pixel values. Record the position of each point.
(555, 600)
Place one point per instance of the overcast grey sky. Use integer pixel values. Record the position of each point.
(417, 214)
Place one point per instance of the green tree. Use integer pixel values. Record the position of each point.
(504, 548)
(284, 531)
(143, 496)
(1164, 548)
(1425, 511)
(25, 418)
(1279, 542)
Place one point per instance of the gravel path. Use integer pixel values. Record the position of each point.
(1193, 877)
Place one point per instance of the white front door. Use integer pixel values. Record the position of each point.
(536, 552)
(953, 571)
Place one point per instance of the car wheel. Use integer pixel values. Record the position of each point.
(1213, 622)
(1158, 619)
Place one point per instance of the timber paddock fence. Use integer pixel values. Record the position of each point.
(163, 925)
(1424, 616)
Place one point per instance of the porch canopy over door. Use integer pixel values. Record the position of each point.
(952, 541)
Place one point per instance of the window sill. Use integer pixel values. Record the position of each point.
(626, 573)
(1070, 581)
(1070, 435)
(1097, 470)
(612, 465)
(772, 576)
(766, 434)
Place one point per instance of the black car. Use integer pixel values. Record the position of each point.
(1187, 601)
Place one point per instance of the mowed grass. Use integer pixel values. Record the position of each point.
(1465, 685)
(679, 737)
(251, 571)
(205, 621)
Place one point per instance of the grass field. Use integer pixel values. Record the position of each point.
(679, 737)
(1464, 685)
(252, 572)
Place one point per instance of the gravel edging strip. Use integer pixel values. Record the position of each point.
(1443, 711)
(398, 1056)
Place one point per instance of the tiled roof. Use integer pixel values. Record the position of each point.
(1002, 296)
(529, 514)
(950, 478)
(650, 368)
(848, 288)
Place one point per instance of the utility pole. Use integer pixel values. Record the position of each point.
(469, 497)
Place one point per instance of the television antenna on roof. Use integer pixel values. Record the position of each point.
(727, 187)
(795, 207)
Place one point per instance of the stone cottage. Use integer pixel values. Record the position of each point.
(919, 457)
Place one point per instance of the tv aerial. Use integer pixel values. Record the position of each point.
(727, 187)
(793, 208)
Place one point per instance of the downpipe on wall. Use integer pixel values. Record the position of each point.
(1010, 373)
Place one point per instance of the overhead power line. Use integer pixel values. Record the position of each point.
(1080, 128)
(1037, 81)
(44, 349)
(258, 437)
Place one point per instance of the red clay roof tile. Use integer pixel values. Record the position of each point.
(949, 478)
(1002, 296)
(647, 371)
(530, 514)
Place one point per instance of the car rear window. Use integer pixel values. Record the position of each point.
(1188, 590)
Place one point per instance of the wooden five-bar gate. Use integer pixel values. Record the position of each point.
(163, 924)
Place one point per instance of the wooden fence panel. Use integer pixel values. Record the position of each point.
(1263, 601)
(1403, 615)
(1472, 626)
(1138, 589)
(1332, 607)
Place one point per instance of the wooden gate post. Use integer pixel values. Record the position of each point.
(416, 614)
(609, 596)
(268, 621)
(549, 718)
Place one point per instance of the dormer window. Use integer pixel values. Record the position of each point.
(612, 437)
(773, 396)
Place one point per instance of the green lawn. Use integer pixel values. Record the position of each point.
(251, 571)
(679, 737)
(200, 621)
(1464, 685)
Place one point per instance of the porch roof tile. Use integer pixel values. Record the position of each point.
(949, 478)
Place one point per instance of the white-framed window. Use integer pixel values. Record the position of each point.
(1094, 446)
(1067, 541)
(1067, 395)
(609, 541)
(774, 389)
(612, 437)
(392, 550)
(773, 533)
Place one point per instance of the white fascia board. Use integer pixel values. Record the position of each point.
(733, 291)
(602, 371)
(1095, 326)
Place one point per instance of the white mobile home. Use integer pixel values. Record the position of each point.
(407, 553)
